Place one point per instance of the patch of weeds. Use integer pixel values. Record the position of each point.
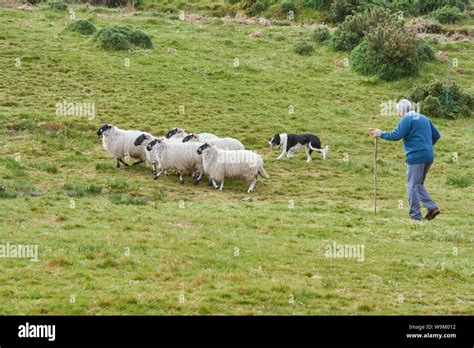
(459, 181)
(127, 200)
(46, 167)
(81, 190)
(15, 167)
(105, 166)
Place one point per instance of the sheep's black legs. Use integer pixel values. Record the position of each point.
(138, 162)
(119, 160)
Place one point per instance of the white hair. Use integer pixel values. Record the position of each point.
(404, 106)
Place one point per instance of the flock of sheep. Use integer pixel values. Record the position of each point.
(193, 154)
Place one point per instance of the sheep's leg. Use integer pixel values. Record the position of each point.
(119, 160)
(209, 181)
(181, 179)
(252, 185)
(214, 183)
(198, 179)
(222, 185)
(137, 162)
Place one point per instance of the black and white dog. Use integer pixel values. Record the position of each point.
(292, 142)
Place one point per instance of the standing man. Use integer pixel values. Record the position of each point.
(419, 136)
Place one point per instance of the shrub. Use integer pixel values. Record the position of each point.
(121, 38)
(303, 48)
(423, 25)
(431, 107)
(286, 6)
(387, 51)
(447, 14)
(425, 51)
(351, 32)
(253, 8)
(58, 5)
(83, 26)
(321, 34)
(318, 4)
(340, 9)
(406, 6)
(454, 102)
(427, 6)
(33, 2)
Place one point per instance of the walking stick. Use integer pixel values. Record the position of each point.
(375, 178)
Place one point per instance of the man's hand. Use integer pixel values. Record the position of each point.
(376, 132)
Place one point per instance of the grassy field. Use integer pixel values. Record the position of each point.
(116, 242)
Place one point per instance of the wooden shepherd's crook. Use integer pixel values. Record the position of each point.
(375, 178)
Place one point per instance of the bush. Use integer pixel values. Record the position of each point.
(431, 107)
(447, 14)
(425, 51)
(388, 52)
(321, 34)
(121, 38)
(33, 2)
(58, 5)
(83, 26)
(454, 102)
(303, 48)
(427, 6)
(340, 9)
(351, 32)
(423, 25)
(406, 6)
(286, 6)
(253, 8)
(318, 4)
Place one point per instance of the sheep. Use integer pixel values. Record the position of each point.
(120, 144)
(182, 157)
(143, 140)
(181, 133)
(220, 164)
(221, 143)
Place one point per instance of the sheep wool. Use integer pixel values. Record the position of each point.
(240, 164)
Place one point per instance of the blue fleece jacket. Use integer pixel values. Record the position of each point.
(418, 134)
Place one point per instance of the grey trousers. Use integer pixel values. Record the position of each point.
(416, 175)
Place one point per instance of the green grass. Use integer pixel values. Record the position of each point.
(120, 243)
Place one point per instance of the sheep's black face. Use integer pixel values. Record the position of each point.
(171, 133)
(188, 138)
(104, 128)
(202, 148)
(152, 143)
(140, 139)
(275, 141)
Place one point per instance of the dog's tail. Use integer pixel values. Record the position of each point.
(263, 173)
(324, 151)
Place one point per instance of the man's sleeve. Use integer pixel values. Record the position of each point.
(435, 133)
(400, 132)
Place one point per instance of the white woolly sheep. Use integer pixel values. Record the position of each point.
(221, 143)
(220, 164)
(179, 156)
(120, 144)
(181, 133)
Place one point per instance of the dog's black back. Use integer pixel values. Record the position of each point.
(302, 139)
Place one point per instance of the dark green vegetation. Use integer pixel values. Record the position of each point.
(120, 243)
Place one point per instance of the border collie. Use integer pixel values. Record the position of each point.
(292, 142)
